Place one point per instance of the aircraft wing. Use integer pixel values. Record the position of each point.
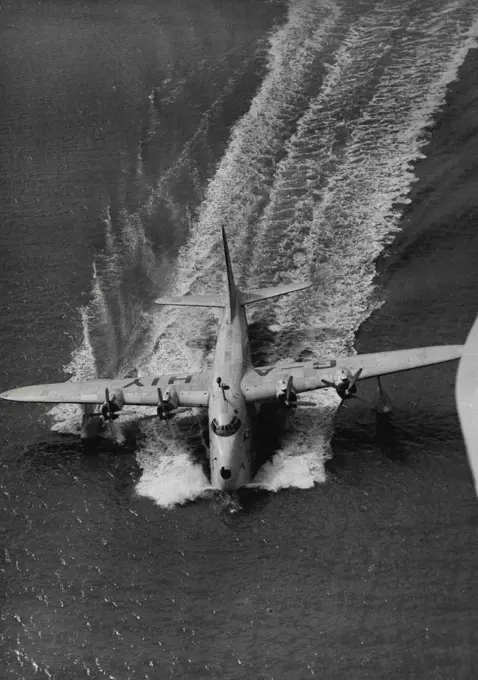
(192, 390)
(259, 384)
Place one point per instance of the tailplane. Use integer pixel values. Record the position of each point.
(192, 301)
(234, 295)
(251, 296)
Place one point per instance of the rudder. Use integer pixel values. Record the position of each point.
(231, 286)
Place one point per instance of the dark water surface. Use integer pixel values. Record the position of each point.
(319, 135)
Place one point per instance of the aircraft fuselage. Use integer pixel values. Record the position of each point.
(230, 421)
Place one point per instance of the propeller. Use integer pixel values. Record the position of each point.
(166, 410)
(382, 403)
(355, 377)
(348, 392)
(106, 411)
(290, 401)
(287, 395)
(111, 409)
(161, 409)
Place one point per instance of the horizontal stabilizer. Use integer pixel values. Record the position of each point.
(192, 301)
(249, 297)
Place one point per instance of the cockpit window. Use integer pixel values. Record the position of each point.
(225, 430)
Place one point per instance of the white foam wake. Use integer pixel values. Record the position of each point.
(170, 476)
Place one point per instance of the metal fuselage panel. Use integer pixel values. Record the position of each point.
(231, 454)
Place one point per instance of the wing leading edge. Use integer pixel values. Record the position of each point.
(191, 389)
(259, 384)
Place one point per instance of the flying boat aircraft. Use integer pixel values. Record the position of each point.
(232, 388)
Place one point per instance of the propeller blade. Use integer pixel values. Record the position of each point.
(107, 397)
(288, 391)
(364, 401)
(163, 410)
(105, 409)
(342, 402)
(354, 379)
(327, 383)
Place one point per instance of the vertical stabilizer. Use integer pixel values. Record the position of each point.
(232, 290)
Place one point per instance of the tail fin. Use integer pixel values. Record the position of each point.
(231, 286)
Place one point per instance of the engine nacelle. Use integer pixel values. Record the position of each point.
(342, 383)
(170, 396)
(168, 402)
(113, 403)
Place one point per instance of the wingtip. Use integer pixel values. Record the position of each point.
(11, 395)
(29, 393)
